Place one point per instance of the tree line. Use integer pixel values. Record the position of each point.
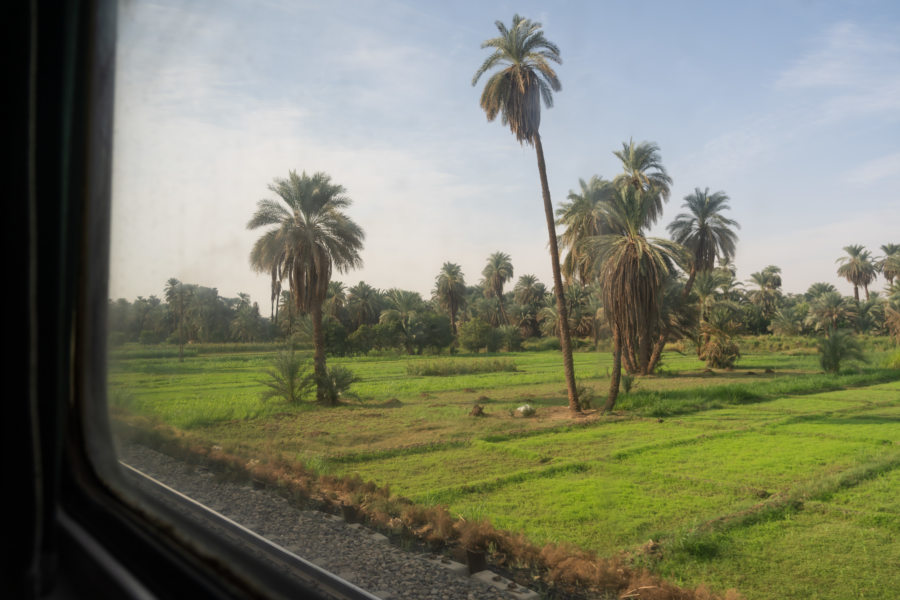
(495, 314)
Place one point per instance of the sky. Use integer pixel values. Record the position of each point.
(792, 108)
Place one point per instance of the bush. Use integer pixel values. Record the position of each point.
(148, 338)
(458, 367)
(511, 337)
(474, 334)
(836, 347)
(893, 361)
(541, 344)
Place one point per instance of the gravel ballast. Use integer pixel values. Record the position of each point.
(354, 553)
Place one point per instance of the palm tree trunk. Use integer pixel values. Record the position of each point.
(645, 347)
(657, 349)
(319, 344)
(565, 342)
(629, 353)
(616, 372)
(453, 319)
(690, 282)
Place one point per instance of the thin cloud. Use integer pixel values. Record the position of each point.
(884, 167)
(854, 71)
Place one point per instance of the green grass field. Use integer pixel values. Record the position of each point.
(780, 484)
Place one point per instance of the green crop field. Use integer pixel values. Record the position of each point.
(781, 483)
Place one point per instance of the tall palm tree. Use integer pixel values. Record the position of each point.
(529, 291)
(450, 291)
(308, 236)
(496, 273)
(704, 231)
(582, 217)
(632, 272)
(645, 173)
(857, 268)
(515, 92)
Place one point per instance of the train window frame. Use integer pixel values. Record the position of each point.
(83, 530)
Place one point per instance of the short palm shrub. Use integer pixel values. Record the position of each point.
(288, 378)
(720, 352)
(336, 384)
(717, 345)
(836, 347)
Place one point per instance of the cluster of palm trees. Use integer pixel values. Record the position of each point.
(860, 268)
(630, 280)
(644, 300)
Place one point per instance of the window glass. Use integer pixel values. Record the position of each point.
(335, 299)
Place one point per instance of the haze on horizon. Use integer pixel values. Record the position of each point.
(791, 108)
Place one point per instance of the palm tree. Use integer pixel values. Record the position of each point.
(645, 173)
(335, 299)
(496, 273)
(529, 294)
(817, 289)
(890, 262)
(363, 304)
(308, 236)
(582, 216)
(515, 92)
(404, 306)
(704, 231)
(857, 268)
(450, 291)
(786, 321)
(707, 289)
(632, 272)
(828, 311)
(528, 291)
(769, 283)
(716, 339)
(838, 346)
(869, 314)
